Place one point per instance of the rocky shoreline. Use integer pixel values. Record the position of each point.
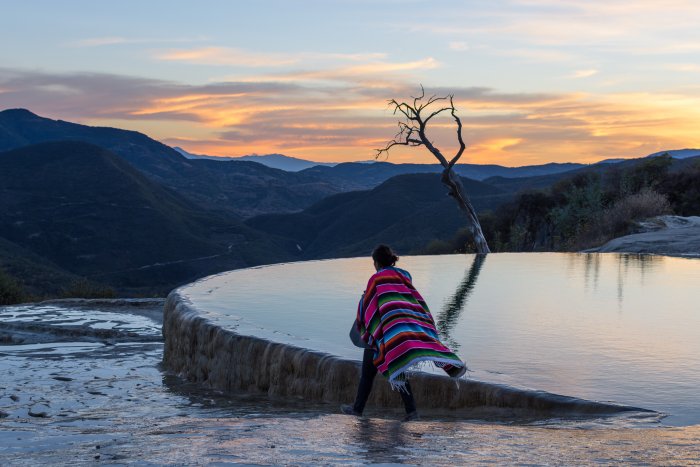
(663, 235)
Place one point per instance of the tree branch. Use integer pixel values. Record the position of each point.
(416, 99)
(437, 112)
(462, 146)
(412, 132)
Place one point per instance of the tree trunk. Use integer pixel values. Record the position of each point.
(457, 192)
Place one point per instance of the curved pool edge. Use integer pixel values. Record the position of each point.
(202, 352)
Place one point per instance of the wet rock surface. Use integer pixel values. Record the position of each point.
(110, 402)
(663, 235)
(204, 352)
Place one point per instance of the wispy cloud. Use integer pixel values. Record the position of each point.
(119, 40)
(538, 54)
(227, 56)
(684, 67)
(372, 74)
(231, 56)
(551, 29)
(99, 41)
(583, 73)
(459, 46)
(345, 121)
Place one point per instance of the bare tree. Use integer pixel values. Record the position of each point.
(413, 121)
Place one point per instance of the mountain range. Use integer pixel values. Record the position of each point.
(88, 212)
(275, 161)
(236, 187)
(405, 211)
(678, 153)
(121, 209)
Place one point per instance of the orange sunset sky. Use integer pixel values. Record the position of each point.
(534, 81)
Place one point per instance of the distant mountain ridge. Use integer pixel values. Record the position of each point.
(91, 213)
(358, 176)
(388, 169)
(405, 211)
(678, 153)
(239, 188)
(20, 127)
(275, 161)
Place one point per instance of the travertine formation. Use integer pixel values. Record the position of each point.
(203, 352)
(662, 235)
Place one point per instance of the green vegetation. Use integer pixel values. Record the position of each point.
(589, 208)
(404, 211)
(11, 291)
(71, 210)
(83, 288)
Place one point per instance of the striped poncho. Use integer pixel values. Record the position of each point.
(393, 318)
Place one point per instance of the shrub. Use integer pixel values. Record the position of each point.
(11, 291)
(438, 247)
(683, 190)
(620, 218)
(650, 172)
(582, 202)
(83, 288)
(623, 214)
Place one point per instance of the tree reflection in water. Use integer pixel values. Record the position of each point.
(626, 263)
(453, 307)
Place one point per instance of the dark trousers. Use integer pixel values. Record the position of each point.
(369, 371)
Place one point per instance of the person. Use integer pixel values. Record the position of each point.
(398, 332)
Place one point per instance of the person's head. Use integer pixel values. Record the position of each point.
(383, 257)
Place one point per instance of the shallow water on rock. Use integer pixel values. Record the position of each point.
(94, 399)
(620, 328)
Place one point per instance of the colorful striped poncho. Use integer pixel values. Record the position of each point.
(393, 318)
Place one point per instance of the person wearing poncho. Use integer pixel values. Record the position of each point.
(399, 333)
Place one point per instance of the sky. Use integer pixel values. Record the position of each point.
(534, 81)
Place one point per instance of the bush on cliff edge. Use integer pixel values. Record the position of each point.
(11, 291)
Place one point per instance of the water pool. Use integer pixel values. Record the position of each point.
(621, 328)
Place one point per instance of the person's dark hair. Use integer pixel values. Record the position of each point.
(384, 256)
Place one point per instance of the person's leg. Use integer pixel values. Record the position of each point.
(408, 401)
(369, 371)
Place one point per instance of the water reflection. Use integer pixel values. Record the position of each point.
(194, 397)
(449, 316)
(381, 441)
(642, 263)
(592, 270)
(627, 263)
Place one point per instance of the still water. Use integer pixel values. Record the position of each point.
(621, 328)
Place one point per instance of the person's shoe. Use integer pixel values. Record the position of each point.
(348, 409)
(410, 417)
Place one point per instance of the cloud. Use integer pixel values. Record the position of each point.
(538, 54)
(458, 46)
(583, 73)
(119, 40)
(373, 74)
(684, 67)
(99, 41)
(560, 30)
(231, 56)
(83, 96)
(344, 120)
(227, 56)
